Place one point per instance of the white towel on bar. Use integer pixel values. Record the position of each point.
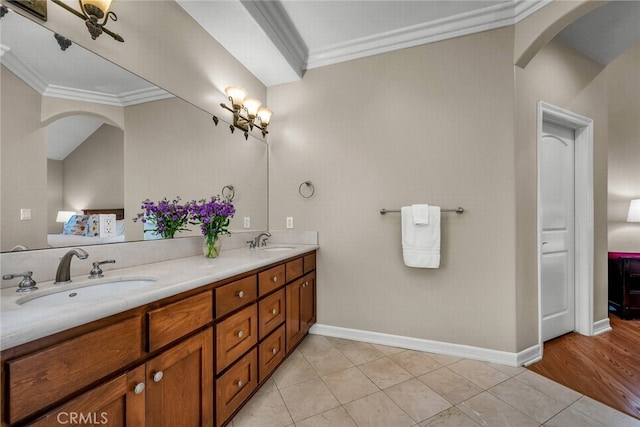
(420, 242)
(420, 214)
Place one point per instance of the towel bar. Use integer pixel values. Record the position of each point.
(458, 210)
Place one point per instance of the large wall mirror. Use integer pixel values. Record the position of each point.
(78, 132)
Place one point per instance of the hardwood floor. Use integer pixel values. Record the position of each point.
(605, 367)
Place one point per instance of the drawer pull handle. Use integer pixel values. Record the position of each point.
(275, 279)
(240, 294)
(239, 334)
(305, 284)
(239, 383)
(274, 311)
(274, 350)
(139, 388)
(158, 376)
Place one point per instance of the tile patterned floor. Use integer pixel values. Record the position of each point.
(340, 383)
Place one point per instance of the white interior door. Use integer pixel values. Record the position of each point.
(557, 195)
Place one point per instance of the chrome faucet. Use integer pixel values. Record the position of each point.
(256, 242)
(26, 284)
(96, 271)
(63, 275)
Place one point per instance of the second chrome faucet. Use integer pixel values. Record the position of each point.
(63, 275)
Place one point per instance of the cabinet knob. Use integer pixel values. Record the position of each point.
(139, 388)
(240, 294)
(274, 350)
(239, 383)
(275, 278)
(239, 334)
(305, 284)
(158, 376)
(274, 311)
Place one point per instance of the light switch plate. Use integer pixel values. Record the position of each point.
(247, 222)
(289, 222)
(25, 214)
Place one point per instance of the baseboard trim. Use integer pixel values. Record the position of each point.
(601, 326)
(524, 357)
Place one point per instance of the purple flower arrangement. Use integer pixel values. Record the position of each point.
(168, 217)
(213, 216)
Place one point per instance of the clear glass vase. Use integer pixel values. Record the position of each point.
(211, 245)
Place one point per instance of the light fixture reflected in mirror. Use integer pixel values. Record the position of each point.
(63, 216)
(634, 211)
(247, 112)
(95, 14)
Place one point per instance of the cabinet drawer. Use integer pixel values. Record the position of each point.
(293, 269)
(235, 335)
(42, 378)
(272, 313)
(271, 279)
(235, 386)
(173, 321)
(113, 403)
(309, 262)
(235, 295)
(271, 352)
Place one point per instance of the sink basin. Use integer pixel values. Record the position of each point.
(86, 292)
(277, 248)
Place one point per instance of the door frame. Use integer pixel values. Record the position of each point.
(583, 214)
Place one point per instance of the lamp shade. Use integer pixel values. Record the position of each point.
(103, 5)
(63, 216)
(634, 211)
(236, 94)
(252, 105)
(265, 115)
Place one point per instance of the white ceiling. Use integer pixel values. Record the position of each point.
(279, 40)
(606, 32)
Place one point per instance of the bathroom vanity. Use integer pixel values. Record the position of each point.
(192, 358)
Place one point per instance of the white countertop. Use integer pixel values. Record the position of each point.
(20, 324)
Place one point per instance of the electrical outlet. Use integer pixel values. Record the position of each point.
(107, 225)
(289, 222)
(25, 214)
(247, 222)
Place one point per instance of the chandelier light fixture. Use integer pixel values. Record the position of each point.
(247, 112)
(95, 14)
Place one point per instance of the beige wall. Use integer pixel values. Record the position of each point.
(624, 149)
(94, 172)
(174, 149)
(24, 165)
(55, 195)
(428, 124)
(561, 76)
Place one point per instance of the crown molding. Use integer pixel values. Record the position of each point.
(31, 77)
(485, 19)
(275, 22)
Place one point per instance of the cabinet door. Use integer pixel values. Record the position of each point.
(119, 402)
(180, 384)
(301, 308)
(308, 301)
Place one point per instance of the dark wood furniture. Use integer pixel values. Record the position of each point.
(118, 212)
(193, 359)
(624, 284)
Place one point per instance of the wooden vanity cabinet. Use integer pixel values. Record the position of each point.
(301, 309)
(180, 384)
(119, 402)
(189, 360)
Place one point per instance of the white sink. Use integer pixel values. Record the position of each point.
(277, 248)
(86, 291)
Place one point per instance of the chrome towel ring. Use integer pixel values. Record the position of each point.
(310, 190)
